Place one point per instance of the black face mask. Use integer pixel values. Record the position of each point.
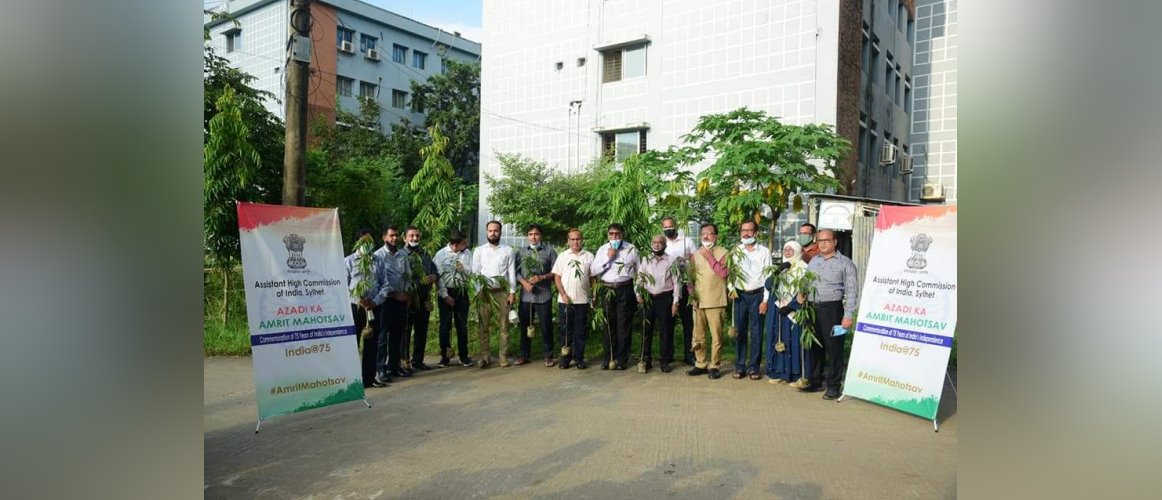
(660, 253)
(670, 233)
(391, 248)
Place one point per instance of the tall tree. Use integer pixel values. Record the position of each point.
(434, 192)
(529, 191)
(452, 99)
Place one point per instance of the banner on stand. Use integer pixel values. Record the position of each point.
(302, 336)
(907, 311)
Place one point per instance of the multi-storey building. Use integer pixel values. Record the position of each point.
(934, 119)
(564, 81)
(357, 50)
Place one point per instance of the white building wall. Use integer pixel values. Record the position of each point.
(934, 112)
(778, 56)
(264, 36)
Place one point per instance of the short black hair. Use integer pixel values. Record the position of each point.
(534, 226)
(669, 218)
(711, 224)
(456, 237)
(748, 221)
(810, 225)
(491, 222)
(363, 231)
(616, 226)
(390, 227)
(409, 228)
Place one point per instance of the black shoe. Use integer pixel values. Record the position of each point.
(399, 372)
(444, 362)
(715, 374)
(421, 366)
(564, 364)
(665, 368)
(467, 362)
(694, 372)
(605, 365)
(581, 365)
(383, 380)
(618, 366)
(810, 387)
(831, 394)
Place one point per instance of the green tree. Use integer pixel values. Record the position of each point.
(435, 193)
(757, 161)
(528, 191)
(452, 99)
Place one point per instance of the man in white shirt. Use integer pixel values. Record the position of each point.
(662, 307)
(497, 263)
(680, 248)
(571, 273)
(615, 264)
(750, 302)
(453, 263)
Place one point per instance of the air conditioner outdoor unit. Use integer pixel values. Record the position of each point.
(906, 165)
(887, 154)
(373, 54)
(932, 192)
(347, 47)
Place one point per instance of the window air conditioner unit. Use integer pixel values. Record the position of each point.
(347, 47)
(932, 192)
(373, 54)
(906, 165)
(887, 154)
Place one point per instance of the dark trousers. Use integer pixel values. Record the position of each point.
(392, 315)
(658, 314)
(574, 320)
(455, 314)
(370, 345)
(544, 313)
(686, 314)
(827, 315)
(749, 324)
(418, 320)
(619, 309)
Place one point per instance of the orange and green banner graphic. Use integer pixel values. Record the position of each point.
(302, 335)
(907, 311)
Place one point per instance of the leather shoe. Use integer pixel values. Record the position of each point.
(665, 368)
(399, 372)
(564, 364)
(810, 387)
(605, 366)
(421, 366)
(619, 366)
(581, 365)
(694, 372)
(831, 394)
(715, 374)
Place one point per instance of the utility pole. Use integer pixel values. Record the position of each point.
(298, 71)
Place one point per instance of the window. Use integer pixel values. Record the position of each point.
(901, 16)
(418, 103)
(911, 32)
(344, 35)
(888, 79)
(622, 63)
(865, 54)
(875, 59)
(344, 86)
(233, 40)
(443, 66)
(367, 90)
(366, 43)
(399, 53)
(419, 60)
(398, 98)
(898, 91)
(908, 98)
(863, 138)
(621, 145)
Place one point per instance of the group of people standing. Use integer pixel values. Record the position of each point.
(676, 281)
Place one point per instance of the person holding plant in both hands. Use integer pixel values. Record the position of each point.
(615, 264)
(750, 302)
(571, 273)
(786, 361)
(534, 272)
(662, 307)
(495, 262)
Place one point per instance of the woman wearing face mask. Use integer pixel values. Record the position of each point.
(788, 365)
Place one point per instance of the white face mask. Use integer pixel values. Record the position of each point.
(748, 241)
(707, 244)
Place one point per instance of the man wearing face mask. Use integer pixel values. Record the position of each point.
(394, 274)
(663, 304)
(535, 282)
(680, 248)
(708, 269)
(750, 302)
(614, 264)
(807, 241)
(419, 311)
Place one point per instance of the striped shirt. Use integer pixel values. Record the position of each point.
(452, 267)
(835, 279)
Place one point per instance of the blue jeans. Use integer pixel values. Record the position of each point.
(749, 324)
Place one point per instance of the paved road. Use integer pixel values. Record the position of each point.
(536, 432)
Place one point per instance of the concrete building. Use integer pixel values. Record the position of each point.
(564, 81)
(934, 119)
(357, 50)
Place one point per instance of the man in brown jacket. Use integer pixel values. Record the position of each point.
(709, 271)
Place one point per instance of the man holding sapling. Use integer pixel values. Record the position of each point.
(571, 273)
(534, 272)
(495, 262)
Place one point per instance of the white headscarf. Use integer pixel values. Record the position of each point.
(798, 268)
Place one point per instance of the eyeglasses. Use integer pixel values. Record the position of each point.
(821, 241)
(576, 239)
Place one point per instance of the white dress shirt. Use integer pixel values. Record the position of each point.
(576, 287)
(754, 261)
(495, 261)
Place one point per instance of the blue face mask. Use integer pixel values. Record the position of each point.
(838, 331)
(615, 244)
(748, 241)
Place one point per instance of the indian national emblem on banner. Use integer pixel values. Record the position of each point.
(920, 244)
(294, 245)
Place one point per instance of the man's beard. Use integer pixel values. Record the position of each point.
(494, 241)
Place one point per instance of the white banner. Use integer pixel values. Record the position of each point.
(907, 311)
(302, 336)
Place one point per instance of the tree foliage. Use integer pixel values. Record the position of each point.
(435, 192)
(530, 192)
(452, 99)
